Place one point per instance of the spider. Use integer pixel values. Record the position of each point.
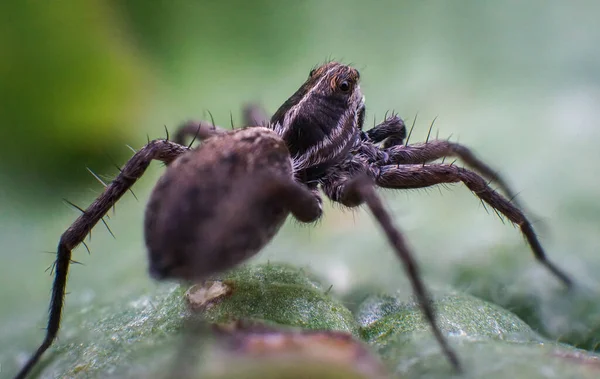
(218, 204)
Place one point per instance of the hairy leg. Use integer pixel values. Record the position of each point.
(360, 190)
(305, 204)
(436, 149)
(197, 130)
(419, 176)
(392, 131)
(162, 150)
(255, 115)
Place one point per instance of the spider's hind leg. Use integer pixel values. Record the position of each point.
(162, 150)
(255, 115)
(197, 130)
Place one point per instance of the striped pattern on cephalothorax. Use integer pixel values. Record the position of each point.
(322, 120)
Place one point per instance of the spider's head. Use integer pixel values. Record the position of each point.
(322, 120)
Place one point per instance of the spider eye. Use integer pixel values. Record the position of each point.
(344, 86)
(312, 72)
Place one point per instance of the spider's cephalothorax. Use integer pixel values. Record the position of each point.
(220, 203)
(319, 122)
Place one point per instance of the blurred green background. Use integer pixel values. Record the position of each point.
(518, 82)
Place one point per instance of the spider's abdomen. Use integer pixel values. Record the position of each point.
(212, 207)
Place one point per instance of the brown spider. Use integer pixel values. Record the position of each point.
(220, 203)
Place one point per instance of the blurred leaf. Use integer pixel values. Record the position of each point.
(568, 316)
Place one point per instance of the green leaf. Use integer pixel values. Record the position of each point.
(491, 342)
(309, 334)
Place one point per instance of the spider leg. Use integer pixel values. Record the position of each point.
(436, 149)
(197, 130)
(392, 131)
(162, 150)
(255, 115)
(361, 190)
(419, 176)
(304, 204)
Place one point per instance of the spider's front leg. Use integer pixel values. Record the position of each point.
(162, 150)
(360, 189)
(436, 149)
(419, 176)
(391, 131)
